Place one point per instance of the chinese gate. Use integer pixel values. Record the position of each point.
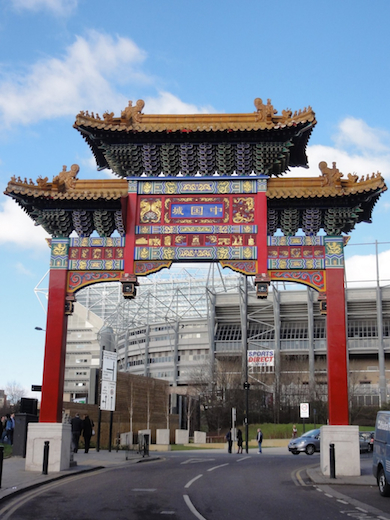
(199, 188)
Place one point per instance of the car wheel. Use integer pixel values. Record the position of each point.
(384, 488)
(310, 449)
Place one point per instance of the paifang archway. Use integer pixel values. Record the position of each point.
(198, 188)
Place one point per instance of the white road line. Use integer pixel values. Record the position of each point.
(342, 501)
(243, 458)
(192, 508)
(220, 466)
(362, 510)
(328, 495)
(192, 481)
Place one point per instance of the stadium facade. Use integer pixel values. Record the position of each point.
(187, 325)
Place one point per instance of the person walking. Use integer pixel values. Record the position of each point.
(77, 426)
(87, 432)
(229, 441)
(259, 438)
(239, 441)
(294, 431)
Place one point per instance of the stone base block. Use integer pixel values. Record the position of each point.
(199, 437)
(162, 436)
(59, 437)
(181, 436)
(347, 450)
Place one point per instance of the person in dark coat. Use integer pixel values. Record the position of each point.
(229, 441)
(239, 441)
(77, 426)
(87, 432)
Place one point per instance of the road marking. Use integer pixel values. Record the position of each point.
(362, 510)
(243, 458)
(192, 508)
(192, 481)
(342, 501)
(195, 461)
(220, 466)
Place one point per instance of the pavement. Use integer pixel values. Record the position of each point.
(15, 479)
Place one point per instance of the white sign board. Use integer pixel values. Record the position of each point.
(304, 410)
(109, 366)
(261, 358)
(108, 396)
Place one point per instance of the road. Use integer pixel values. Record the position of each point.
(200, 485)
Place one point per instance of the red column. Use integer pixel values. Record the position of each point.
(55, 349)
(337, 348)
(261, 240)
(130, 219)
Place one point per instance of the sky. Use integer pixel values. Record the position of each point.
(58, 57)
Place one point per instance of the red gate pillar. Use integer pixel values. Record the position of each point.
(129, 210)
(336, 338)
(56, 329)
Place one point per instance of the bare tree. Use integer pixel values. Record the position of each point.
(14, 392)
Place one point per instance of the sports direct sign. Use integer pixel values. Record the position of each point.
(261, 358)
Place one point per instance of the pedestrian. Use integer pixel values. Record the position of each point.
(229, 441)
(259, 438)
(7, 434)
(294, 432)
(239, 441)
(77, 426)
(87, 432)
(13, 427)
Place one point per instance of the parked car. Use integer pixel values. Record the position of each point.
(380, 457)
(364, 442)
(309, 443)
(368, 437)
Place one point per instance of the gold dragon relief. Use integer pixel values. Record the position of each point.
(60, 250)
(333, 248)
(150, 211)
(243, 210)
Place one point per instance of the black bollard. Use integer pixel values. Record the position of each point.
(332, 461)
(1, 462)
(45, 458)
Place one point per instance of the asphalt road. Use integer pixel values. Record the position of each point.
(203, 486)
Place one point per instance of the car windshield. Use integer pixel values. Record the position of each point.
(311, 433)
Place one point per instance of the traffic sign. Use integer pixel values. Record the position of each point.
(108, 396)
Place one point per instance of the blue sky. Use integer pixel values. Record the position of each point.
(58, 57)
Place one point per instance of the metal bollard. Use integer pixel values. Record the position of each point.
(1, 462)
(332, 461)
(45, 458)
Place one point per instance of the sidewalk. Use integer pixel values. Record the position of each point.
(16, 479)
(366, 477)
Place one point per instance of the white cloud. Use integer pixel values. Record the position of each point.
(21, 269)
(84, 77)
(17, 228)
(361, 270)
(167, 103)
(358, 149)
(356, 133)
(58, 7)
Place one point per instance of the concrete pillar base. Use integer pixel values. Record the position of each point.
(59, 436)
(347, 450)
